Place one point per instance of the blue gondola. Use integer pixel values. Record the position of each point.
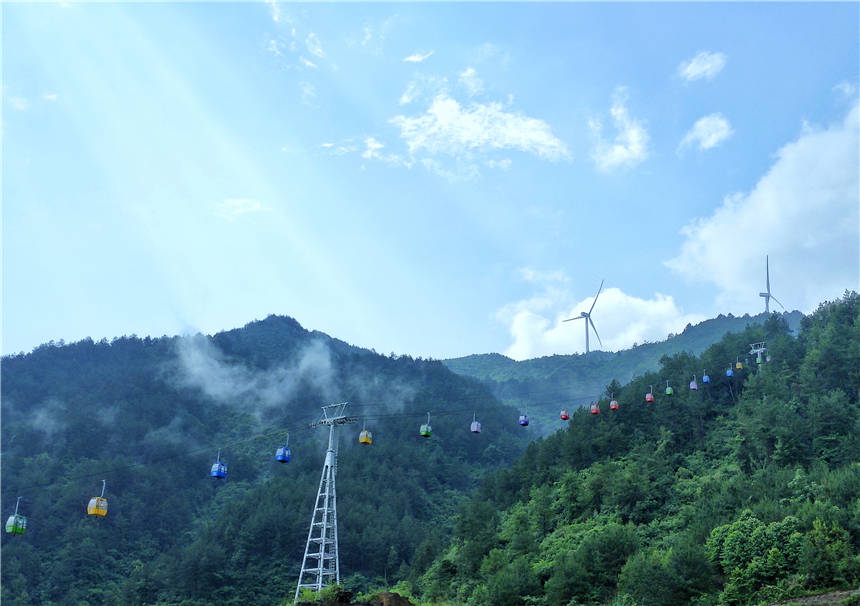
(730, 372)
(283, 454)
(219, 469)
(706, 378)
(524, 420)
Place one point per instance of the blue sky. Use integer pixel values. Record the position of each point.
(434, 179)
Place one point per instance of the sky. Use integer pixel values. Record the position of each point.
(426, 179)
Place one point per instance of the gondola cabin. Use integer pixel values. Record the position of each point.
(649, 397)
(595, 408)
(365, 437)
(738, 365)
(693, 385)
(524, 420)
(475, 427)
(219, 469)
(706, 378)
(16, 524)
(613, 404)
(283, 454)
(425, 431)
(730, 372)
(669, 389)
(758, 359)
(564, 416)
(98, 506)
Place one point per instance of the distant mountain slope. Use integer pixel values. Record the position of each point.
(577, 379)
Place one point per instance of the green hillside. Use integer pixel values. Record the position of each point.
(573, 380)
(149, 415)
(746, 491)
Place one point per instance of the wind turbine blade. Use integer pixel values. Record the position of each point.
(595, 297)
(767, 271)
(576, 318)
(777, 300)
(595, 331)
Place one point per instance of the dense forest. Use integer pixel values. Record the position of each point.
(580, 378)
(149, 416)
(744, 491)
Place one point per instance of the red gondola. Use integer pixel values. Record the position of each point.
(649, 397)
(564, 416)
(595, 408)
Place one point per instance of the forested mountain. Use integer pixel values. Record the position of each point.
(149, 416)
(741, 492)
(745, 491)
(572, 380)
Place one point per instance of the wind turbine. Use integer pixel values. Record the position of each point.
(767, 296)
(587, 316)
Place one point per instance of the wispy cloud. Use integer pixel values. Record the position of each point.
(409, 94)
(704, 64)
(418, 57)
(630, 146)
(803, 212)
(51, 97)
(19, 103)
(232, 208)
(309, 93)
(373, 151)
(314, 46)
(470, 80)
(846, 88)
(452, 129)
(306, 62)
(275, 10)
(707, 132)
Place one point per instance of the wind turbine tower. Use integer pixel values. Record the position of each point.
(586, 315)
(767, 296)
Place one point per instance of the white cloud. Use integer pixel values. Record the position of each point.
(423, 86)
(469, 79)
(704, 65)
(418, 57)
(409, 94)
(452, 129)
(309, 93)
(630, 146)
(51, 97)
(307, 63)
(19, 103)
(537, 326)
(314, 46)
(276, 10)
(846, 88)
(232, 208)
(803, 212)
(373, 151)
(274, 47)
(708, 132)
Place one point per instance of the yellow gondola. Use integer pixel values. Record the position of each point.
(365, 437)
(98, 505)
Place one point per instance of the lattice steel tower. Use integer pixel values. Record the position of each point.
(322, 536)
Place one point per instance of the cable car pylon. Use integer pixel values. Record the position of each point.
(321, 545)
